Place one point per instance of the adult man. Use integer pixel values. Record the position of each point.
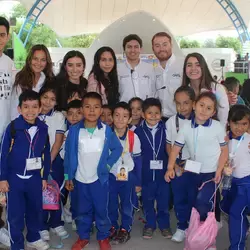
(168, 72)
(136, 78)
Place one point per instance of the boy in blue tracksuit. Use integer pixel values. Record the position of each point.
(25, 150)
(152, 135)
(91, 150)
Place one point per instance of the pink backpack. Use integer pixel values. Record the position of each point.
(201, 235)
(51, 196)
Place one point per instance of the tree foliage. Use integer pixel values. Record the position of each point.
(229, 42)
(209, 43)
(186, 43)
(19, 11)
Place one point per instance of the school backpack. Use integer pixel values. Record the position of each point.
(51, 196)
(131, 140)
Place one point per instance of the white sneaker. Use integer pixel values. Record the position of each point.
(179, 236)
(60, 232)
(4, 237)
(39, 245)
(45, 235)
(74, 225)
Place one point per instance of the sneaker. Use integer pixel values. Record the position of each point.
(4, 237)
(60, 232)
(45, 235)
(179, 236)
(122, 237)
(39, 245)
(104, 244)
(113, 233)
(148, 233)
(166, 233)
(80, 244)
(74, 225)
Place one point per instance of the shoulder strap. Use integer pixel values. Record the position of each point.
(131, 140)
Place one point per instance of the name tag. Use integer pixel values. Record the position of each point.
(193, 166)
(33, 163)
(156, 165)
(122, 173)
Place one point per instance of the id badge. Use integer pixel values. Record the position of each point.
(34, 163)
(156, 165)
(122, 173)
(193, 166)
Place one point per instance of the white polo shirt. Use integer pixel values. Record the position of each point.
(127, 157)
(56, 124)
(204, 142)
(90, 147)
(242, 155)
(171, 79)
(171, 133)
(138, 82)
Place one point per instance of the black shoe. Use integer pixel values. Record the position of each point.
(122, 237)
(113, 233)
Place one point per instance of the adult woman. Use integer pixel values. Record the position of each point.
(37, 70)
(197, 75)
(70, 78)
(103, 76)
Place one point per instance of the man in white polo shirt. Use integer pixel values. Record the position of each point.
(136, 78)
(168, 72)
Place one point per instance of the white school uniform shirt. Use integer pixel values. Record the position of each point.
(171, 133)
(16, 92)
(56, 124)
(62, 151)
(127, 157)
(137, 82)
(6, 68)
(90, 147)
(171, 79)
(204, 142)
(242, 155)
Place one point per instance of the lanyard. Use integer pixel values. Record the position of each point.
(177, 124)
(32, 146)
(195, 140)
(237, 146)
(155, 154)
(126, 149)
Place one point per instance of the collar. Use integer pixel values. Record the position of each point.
(207, 123)
(99, 124)
(169, 62)
(40, 82)
(157, 126)
(50, 113)
(20, 123)
(124, 136)
(231, 136)
(129, 66)
(183, 117)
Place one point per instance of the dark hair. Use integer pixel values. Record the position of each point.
(122, 168)
(159, 34)
(237, 112)
(130, 38)
(75, 104)
(150, 102)
(123, 105)
(106, 106)
(206, 78)
(188, 90)
(25, 78)
(245, 92)
(29, 95)
(4, 22)
(72, 92)
(231, 82)
(92, 95)
(49, 87)
(210, 95)
(110, 83)
(135, 99)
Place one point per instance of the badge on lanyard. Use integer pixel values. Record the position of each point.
(156, 165)
(33, 163)
(122, 173)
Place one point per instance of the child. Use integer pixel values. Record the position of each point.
(239, 117)
(24, 152)
(205, 141)
(56, 123)
(90, 152)
(106, 116)
(183, 192)
(154, 161)
(125, 175)
(136, 106)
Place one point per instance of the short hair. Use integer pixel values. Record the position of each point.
(237, 112)
(123, 105)
(48, 87)
(130, 38)
(106, 106)
(188, 90)
(162, 34)
(135, 99)
(150, 102)
(231, 82)
(75, 104)
(210, 95)
(29, 95)
(4, 22)
(92, 95)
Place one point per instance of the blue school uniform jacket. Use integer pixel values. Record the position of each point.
(14, 161)
(111, 152)
(149, 175)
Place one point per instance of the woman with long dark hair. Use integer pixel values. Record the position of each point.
(70, 79)
(103, 77)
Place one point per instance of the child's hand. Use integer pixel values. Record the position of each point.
(69, 185)
(4, 186)
(45, 184)
(217, 177)
(170, 174)
(137, 189)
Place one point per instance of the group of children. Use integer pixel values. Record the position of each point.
(106, 156)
